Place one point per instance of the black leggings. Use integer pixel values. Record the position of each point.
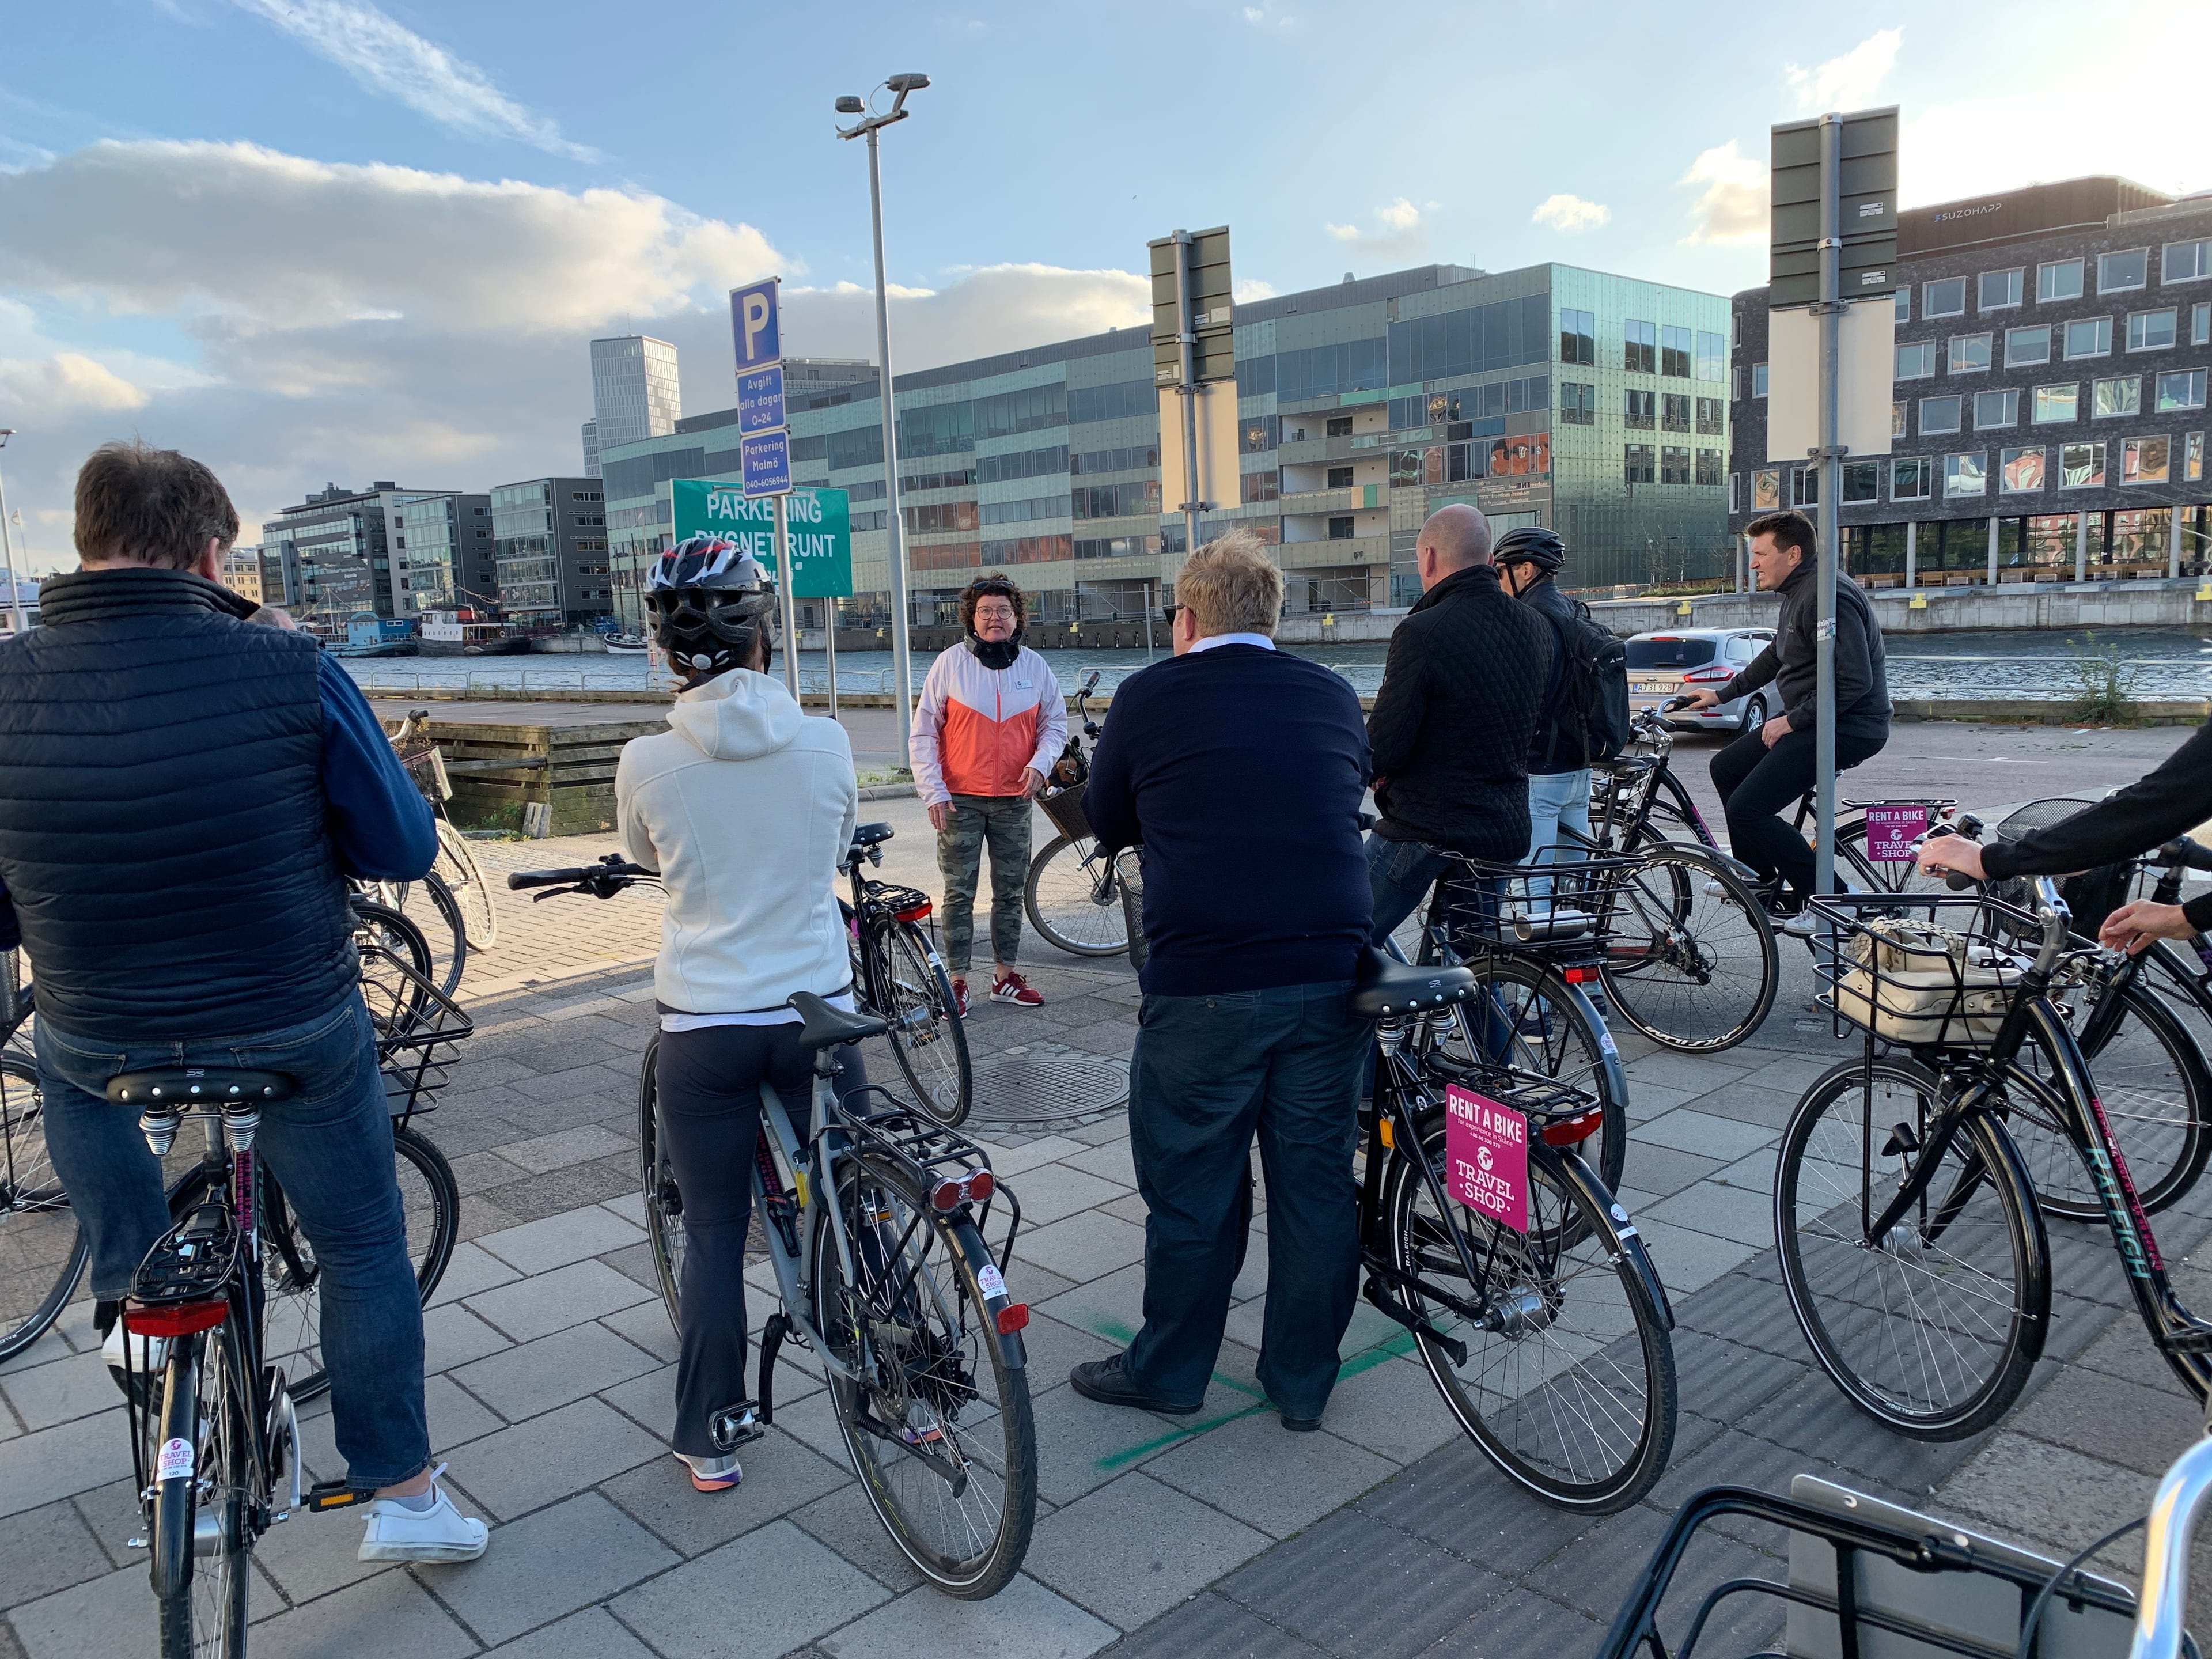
(1756, 783)
(708, 1082)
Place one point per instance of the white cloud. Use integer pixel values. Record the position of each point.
(1260, 17)
(68, 381)
(389, 58)
(1732, 207)
(1402, 232)
(1249, 288)
(1569, 215)
(1849, 82)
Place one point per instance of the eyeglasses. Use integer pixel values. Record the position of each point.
(1001, 612)
(1168, 612)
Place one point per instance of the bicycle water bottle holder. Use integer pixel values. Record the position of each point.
(193, 1262)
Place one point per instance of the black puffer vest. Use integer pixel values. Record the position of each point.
(162, 814)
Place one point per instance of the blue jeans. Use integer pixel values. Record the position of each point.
(1557, 801)
(1208, 1074)
(1399, 874)
(329, 1148)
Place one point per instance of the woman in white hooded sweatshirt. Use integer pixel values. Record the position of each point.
(744, 806)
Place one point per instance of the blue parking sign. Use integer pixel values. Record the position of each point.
(764, 464)
(760, 399)
(753, 322)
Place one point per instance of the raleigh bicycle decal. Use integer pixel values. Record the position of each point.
(1487, 1156)
(175, 1462)
(991, 1281)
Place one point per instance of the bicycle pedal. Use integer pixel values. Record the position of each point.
(736, 1425)
(336, 1495)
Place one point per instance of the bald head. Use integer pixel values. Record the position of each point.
(1454, 538)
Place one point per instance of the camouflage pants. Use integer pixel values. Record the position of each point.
(1002, 822)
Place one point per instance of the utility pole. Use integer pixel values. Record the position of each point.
(7, 554)
(1829, 456)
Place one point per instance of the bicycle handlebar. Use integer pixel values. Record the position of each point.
(612, 871)
(2183, 853)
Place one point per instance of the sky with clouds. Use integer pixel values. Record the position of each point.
(312, 240)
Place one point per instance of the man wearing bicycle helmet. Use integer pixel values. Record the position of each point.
(744, 806)
(1527, 559)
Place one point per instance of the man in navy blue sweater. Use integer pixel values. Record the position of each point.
(1240, 770)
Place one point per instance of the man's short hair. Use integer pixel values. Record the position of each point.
(134, 502)
(997, 585)
(1232, 586)
(1460, 534)
(1789, 528)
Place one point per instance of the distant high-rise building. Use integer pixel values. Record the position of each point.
(448, 562)
(635, 392)
(591, 449)
(333, 557)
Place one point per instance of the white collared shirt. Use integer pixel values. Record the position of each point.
(1212, 640)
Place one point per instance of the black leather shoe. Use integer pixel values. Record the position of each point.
(1109, 1384)
(1300, 1424)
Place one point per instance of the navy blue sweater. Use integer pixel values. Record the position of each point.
(1241, 771)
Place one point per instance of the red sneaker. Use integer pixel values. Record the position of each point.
(960, 998)
(1017, 990)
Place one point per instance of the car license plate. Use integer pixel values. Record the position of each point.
(1649, 687)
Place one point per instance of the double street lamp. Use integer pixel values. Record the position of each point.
(6, 553)
(902, 652)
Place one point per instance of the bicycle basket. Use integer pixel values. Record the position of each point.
(428, 768)
(1129, 873)
(2092, 895)
(1563, 911)
(419, 1030)
(1064, 808)
(1941, 977)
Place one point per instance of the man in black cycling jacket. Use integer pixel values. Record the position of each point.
(2168, 802)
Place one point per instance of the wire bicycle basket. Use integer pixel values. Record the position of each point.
(419, 1030)
(1937, 971)
(1564, 911)
(1064, 808)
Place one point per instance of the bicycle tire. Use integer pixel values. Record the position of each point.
(927, 1037)
(466, 876)
(1075, 908)
(43, 1249)
(395, 1002)
(448, 939)
(201, 1599)
(1993, 1256)
(292, 1311)
(916, 1263)
(664, 1201)
(1687, 922)
(1557, 1424)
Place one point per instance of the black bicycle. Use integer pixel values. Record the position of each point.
(1073, 896)
(898, 977)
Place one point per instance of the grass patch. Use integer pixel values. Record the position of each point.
(2107, 684)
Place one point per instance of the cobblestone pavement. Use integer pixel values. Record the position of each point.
(1216, 1535)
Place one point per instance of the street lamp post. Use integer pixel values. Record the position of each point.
(7, 552)
(895, 528)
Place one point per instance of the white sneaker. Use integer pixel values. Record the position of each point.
(149, 1354)
(1799, 925)
(441, 1533)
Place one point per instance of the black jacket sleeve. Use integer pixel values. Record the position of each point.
(2166, 803)
(1109, 798)
(1395, 726)
(1759, 671)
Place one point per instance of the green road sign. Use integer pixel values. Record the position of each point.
(818, 524)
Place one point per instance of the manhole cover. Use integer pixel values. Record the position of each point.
(1034, 1091)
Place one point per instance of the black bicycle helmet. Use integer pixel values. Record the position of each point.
(710, 601)
(1531, 545)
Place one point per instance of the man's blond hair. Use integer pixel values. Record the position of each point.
(1232, 586)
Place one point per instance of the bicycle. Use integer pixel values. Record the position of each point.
(898, 976)
(476, 916)
(1072, 894)
(1483, 1231)
(891, 1287)
(1912, 1240)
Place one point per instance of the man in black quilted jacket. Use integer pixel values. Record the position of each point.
(1450, 729)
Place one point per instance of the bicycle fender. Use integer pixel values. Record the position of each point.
(1011, 1350)
(1621, 1238)
(1616, 1072)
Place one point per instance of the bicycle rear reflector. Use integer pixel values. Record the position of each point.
(1014, 1316)
(975, 1187)
(914, 912)
(1580, 976)
(176, 1319)
(1570, 1131)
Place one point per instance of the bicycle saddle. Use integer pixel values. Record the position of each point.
(824, 1026)
(870, 835)
(1384, 989)
(197, 1085)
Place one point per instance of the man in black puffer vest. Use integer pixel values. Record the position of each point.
(183, 792)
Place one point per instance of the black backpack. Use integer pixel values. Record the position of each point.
(1592, 714)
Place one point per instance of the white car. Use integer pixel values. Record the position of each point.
(1668, 664)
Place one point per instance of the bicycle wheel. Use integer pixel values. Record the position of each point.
(292, 1316)
(1931, 1329)
(395, 1001)
(1569, 1381)
(436, 914)
(939, 1426)
(664, 1203)
(1074, 899)
(42, 1248)
(2151, 1081)
(457, 865)
(198, 1430)
(1690, 959)
(927, 1037)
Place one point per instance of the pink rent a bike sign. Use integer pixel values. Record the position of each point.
(1487, 1156)
(1891, 829)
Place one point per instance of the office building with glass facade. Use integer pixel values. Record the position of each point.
(550, 546)
(635, 393)
(2048, 412)
(332, 557)
(1595, 405)
(445, 560)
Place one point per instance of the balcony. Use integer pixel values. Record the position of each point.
(1319, 555)
(1317, 449)
(1360, 498)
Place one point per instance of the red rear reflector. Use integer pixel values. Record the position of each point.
(979, 1185)
(1568, 1130)
(178, 1319)
(1012, 1318)
(918, 913)
(945, 1195)
(973, 1187)
(1580, 976)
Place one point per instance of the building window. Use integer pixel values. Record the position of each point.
(2000, 290)
(1712, 356)
(1861, 482)
(1908, 480)
(1339, 478)
(1637, 464)
(1995, 408)
(1916, 362)
(1758, 379)
(2200, 323)
(2117, 397)
(1339, 426)
(2118, 272)
(2182, 388)
(1969, 354)
(2192, 457)
(1806, 480)
(1341, 529)
(2057, 403)
(2089, 337)
(2081, 466)
(2186, 262)
(1710, 462)
(2151, 331)
(2143, 460)
(1640, 347)
(1641, 405)
(1578, 337)
(1736, 492)
(1767, 489)
(2028, 345)
(1577, 405)
(1674, 411)
(1675, 353)
(1710, 418)
(1673, 466)
(1939, 415)
(1904, 305)
(2019, 472)
(1897, 418)
(2059, 279)
(1966, 474)
(1946, 298)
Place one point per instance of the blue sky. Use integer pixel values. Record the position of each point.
(317, 239)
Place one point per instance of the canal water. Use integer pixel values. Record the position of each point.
(1994, 663)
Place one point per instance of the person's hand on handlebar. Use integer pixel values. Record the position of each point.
(1702, 697)
(2133, 926)
(1940, 853)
